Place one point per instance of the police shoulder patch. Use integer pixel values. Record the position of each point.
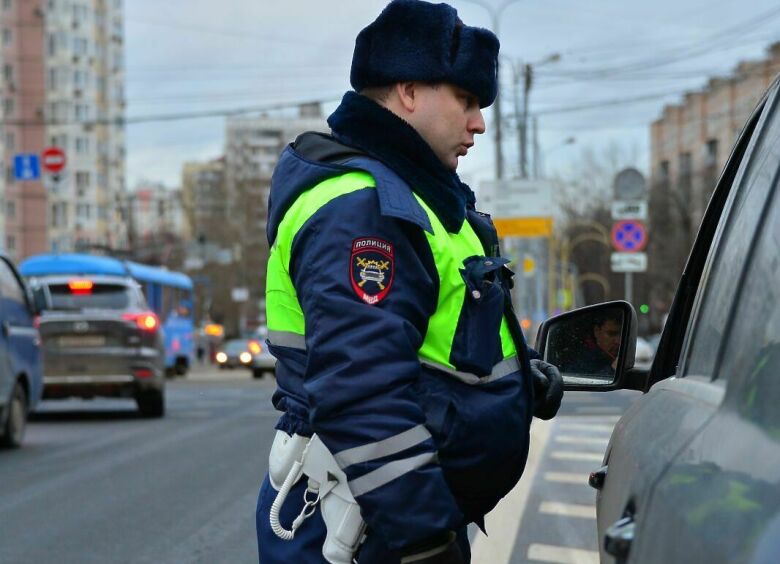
(372, 268)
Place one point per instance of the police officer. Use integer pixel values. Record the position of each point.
(389, 312)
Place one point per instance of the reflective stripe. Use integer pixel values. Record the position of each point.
(385, 447)
(287, 339)
(388, 473)
(504, 368)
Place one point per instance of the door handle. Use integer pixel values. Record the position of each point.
(618, 538)
(597, 477)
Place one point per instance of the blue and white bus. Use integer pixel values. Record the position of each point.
(168, 294)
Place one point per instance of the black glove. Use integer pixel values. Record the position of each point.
(440, 550)
(548, 389)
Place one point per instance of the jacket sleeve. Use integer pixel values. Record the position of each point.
(362, 342)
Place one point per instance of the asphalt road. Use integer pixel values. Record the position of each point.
(95, 482)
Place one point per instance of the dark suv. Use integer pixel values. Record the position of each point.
(692, 471)
(21, 378)
(100, 339)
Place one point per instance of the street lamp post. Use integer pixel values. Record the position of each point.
(495, 15)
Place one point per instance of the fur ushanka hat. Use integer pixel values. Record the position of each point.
(415, 40)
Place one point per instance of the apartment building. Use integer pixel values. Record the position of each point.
(63, 86)
(204, 200)
(691, 141)
(689, 146)
(252, 149)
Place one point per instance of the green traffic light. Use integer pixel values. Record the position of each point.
(644, 308)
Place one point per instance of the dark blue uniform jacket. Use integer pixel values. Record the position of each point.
(359, 380)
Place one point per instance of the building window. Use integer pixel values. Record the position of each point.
(82, 145)
(7, 37)
(79, 46)
(82, 112)
(82, 180)
(711, 153)
(10, 141)
(6, 4)
(8, 107)
(10, 210)
(8, 73)
(10, 243)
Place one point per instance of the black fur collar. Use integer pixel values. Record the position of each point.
(362, 123)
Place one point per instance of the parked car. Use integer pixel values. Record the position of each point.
(692, 471)
(99, 336)
(249, 353)
(21, 369)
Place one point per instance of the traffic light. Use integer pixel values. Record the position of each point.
(644, 308)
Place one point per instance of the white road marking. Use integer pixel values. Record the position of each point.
(569, 455)
(599, 409)
(590, 418)
(503, 523)
(587, 427)
(568, 509)
(575, 440)
(567, 477)
(561, 554)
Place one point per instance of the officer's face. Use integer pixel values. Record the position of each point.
(448, 118)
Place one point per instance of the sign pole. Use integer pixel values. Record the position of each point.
(629, 287)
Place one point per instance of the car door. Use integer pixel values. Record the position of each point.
(663, 422)
(719, 500)
(19, 337)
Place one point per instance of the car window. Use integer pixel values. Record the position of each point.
(727, 257)
(101, 296)
(752, 354)
(236, 346)
(9, 284)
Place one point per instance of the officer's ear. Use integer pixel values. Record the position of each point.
(408, 95)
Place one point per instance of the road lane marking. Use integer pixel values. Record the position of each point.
(574, 440)
(503, 523)
(568, 509)
(587, 427)
(599, 409)
(569, 455)
(567, 477)
(561, 554)
(582, 417)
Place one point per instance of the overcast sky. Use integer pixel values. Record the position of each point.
(187, 56)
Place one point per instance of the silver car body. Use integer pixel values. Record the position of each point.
(98, 351)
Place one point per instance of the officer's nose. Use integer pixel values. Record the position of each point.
(476, 123)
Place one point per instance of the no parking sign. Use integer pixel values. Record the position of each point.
(629, 236)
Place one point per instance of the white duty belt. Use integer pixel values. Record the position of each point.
(294, 456)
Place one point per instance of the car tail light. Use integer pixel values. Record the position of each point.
(80, 286)
(146, 321)
(255, 347)
(37, 321)
(143, 372)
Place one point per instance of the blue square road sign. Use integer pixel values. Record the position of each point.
(27, 166)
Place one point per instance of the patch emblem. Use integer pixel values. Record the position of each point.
(372, 268)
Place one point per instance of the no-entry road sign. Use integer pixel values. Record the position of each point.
(53, 159)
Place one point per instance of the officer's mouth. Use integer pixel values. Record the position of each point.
(464, 149)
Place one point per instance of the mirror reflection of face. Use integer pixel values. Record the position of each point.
(607, 336)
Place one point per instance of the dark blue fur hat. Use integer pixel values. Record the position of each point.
(415, 40)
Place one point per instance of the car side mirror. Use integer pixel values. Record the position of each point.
(593, 347)
(38, 299)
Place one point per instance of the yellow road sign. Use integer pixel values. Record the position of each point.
(524, 226)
